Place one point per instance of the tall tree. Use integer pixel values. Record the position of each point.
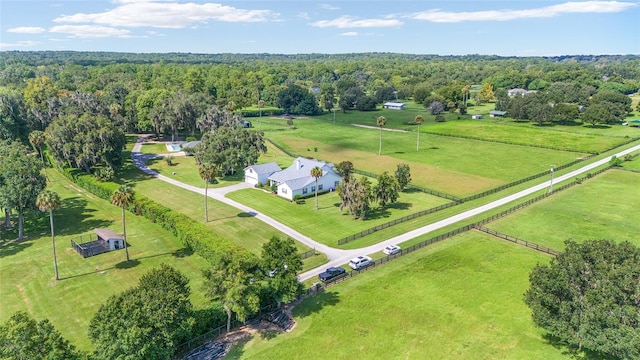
(386, 190)
(486, 92)
(21, 180)
(380, 121)
(280, 259)
(316, 172)
(37, 138)
(147, 321)
(123, 197)
(588, 296)
(419, 119)
(231, 282)
(21, 337)
(39, 97)
(208, 174)
(403, 176)
(230, 148)
(48, 200)
(355, 196)
(345, 169)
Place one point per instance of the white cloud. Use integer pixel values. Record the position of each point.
(19, 44)
(89, 31)
(136, 13)
(304, 15)
(440, 16)
(329, 7)
(351, 22)
(349, 33)
(27, 30)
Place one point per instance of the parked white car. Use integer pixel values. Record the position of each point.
(391, 249)
(359, 262)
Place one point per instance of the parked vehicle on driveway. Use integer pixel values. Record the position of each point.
(359, 262)
(391, 249)
(331, 273)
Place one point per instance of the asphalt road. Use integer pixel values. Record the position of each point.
(339, 257)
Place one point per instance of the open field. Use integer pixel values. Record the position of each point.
(604, 207)
(328, 224)
(530, 135)
(452, 165)
(27, 281)
(459, 299)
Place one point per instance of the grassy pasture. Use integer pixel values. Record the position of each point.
(603, 207)
(459, 299)
(451, 165)
(328, 224)
(27, 281)
(535, 136)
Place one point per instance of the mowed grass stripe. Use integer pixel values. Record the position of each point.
(27, 282)
(459, 299)
(604, 207)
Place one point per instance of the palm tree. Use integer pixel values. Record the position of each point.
(49, 200)
(123, 197)
(418, 120)
(37, 138)
(208, 174)
(316, 172)
(380, 121)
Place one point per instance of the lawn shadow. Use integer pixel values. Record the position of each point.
(73, 217)
(573, 351)
(246, 214)
(316, 303)
(237, 348)
(181, 253)
(129, 264)
(400, 206)
(268, 334)
(12, 247)
(377, 213)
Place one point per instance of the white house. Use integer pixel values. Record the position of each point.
(520, 92)
(476, 117)
(496, 113)
(297, 179)
(255, 174)
(394, 105)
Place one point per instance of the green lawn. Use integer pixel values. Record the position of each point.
(328, 224)
(604, 207)
(451, 165)
(154, 148)
(27, 277)
(528, 135)
(459, 299)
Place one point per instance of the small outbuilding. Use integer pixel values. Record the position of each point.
(394, 105)
(113, 240)
(496, 113)
(476, 117)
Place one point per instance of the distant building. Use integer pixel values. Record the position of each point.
(496, 113)
(476, 117)
(394, 105)
(520, 92)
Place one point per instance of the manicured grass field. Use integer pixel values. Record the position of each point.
(459, 299)
(27, 277)
(604, 207)
(328, 224)
(530, 135)
(154, 148)
(452, 165)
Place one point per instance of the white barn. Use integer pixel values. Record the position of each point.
(113, 240)
(255, 174)
(394, 105)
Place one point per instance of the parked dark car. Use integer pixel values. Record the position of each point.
(331, 273)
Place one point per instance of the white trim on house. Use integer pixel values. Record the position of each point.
(255, 174)
(297, 179)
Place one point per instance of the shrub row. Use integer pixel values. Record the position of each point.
(194, 236)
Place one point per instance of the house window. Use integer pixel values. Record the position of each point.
(336, 183)
(304, 191)
(319, 187)
(313, 188)
(250, 171)
(284, 191)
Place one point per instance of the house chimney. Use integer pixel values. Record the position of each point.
(298, 166)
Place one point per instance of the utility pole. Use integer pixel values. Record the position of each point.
(551, 183)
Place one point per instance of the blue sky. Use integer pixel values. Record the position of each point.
(507, 28)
